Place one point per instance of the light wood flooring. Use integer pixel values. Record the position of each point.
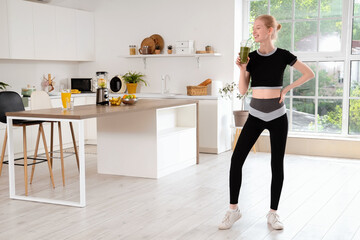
(320, 200)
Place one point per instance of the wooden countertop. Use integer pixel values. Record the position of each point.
(94, 111)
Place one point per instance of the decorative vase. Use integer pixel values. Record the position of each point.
(240, 117)
(131, 87)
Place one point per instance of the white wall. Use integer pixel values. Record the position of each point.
(19, 73)
(119, 24)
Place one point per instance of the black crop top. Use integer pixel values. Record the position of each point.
(268, 70)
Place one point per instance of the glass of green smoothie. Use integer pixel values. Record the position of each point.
(245, 50)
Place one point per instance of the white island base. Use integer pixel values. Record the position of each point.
(150, 143)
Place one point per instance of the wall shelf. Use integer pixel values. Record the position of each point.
(196, 56)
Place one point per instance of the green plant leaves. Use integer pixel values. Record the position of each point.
(3, 85)
(134, 77)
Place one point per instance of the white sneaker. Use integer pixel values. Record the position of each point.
(230, 218)
(274, 220)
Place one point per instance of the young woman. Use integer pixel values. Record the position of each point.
(267, 111)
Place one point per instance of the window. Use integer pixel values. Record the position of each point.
(314, 31)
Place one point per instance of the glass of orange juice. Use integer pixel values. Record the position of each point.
(65, 98)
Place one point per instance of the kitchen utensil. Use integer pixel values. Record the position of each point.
(245, 50)
(66, 98)
(102, 96)
(117, 84)
(26, 92)
(144, 50)
(158, 40)
(102, 93)
(129, 101)
(102, 79)
(149, 42)
(132, 49)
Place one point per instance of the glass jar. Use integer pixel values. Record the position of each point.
(102, 79)
(132, 49)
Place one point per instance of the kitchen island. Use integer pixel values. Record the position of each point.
(152, 138)
(215, 118)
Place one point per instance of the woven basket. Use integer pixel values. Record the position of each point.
(196, 90)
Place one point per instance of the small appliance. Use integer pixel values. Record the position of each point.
(117, 84)
(82, 84)
(102, 92)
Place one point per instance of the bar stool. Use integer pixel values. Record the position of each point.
(237, 134)
(41, 100)
(11, 102)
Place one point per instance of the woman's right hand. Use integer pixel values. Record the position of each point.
(242, 66)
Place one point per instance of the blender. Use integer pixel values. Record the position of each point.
(102, 93)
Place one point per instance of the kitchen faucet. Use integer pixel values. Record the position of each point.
(164, 84)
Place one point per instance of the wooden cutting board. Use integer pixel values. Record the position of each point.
(158, 40)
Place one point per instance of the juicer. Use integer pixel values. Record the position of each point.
(102, 92)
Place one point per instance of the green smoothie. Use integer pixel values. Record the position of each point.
(244, 53)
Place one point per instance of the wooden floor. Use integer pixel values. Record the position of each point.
(320, 200)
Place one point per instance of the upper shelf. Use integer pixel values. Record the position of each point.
(174, 55)
(197, 56)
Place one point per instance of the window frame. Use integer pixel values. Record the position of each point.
(344, 55)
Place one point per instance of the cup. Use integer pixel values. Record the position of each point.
(66, 98)
(244, 51)
(71, 107)
(144, 50)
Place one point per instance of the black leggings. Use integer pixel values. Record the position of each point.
(252, 129)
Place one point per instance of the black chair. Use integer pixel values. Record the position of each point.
(12, 102)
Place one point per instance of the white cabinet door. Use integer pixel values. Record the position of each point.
(21, 29)
(4, 35)
(65, 33)
(44, 32)
(85, 35)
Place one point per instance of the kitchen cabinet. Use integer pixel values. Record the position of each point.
(90, 125)
(44, 32)
(215, 119)
(4, 34)
(85, 35)
(21, 29)
(65, 33)
(150, 143)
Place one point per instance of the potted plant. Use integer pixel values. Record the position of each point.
(157, 49)
(240, 116)
(132, 79)
(169, 49)
(3, 86)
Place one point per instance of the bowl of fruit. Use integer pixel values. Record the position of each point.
(115, 101)
(129, 99)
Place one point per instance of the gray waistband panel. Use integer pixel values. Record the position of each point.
(267, 117)
(266, 105)
(264, 87)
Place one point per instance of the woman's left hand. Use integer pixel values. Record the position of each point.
(283, 92)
